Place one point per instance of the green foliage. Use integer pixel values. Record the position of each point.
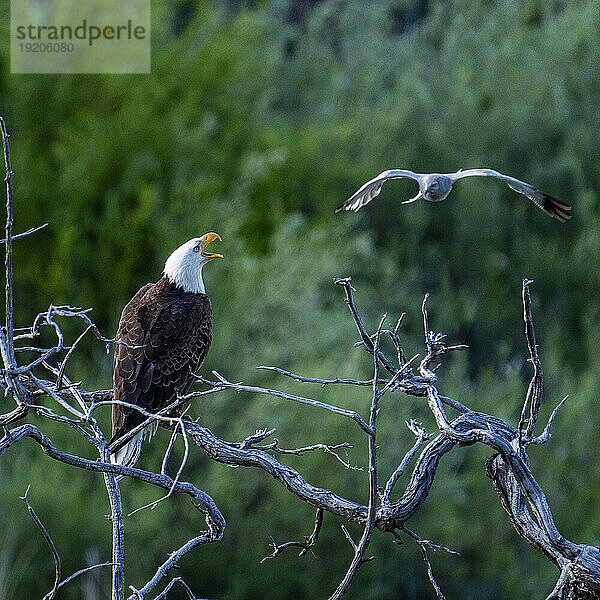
(257, 120)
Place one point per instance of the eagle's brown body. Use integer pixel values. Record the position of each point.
(168, 333)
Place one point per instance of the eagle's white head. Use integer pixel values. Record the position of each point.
(184, 266)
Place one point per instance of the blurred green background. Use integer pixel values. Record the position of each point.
(258, 119)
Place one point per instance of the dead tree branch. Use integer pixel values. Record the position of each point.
(316, 403)
(359, 552)
(43, 387)
(468, 428)
(306, 544)
(422, 435)
(57, 568)
(536, 386)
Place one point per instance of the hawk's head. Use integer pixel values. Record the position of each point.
(435, 187)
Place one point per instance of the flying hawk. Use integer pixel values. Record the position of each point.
(167, 330)
(435, 187)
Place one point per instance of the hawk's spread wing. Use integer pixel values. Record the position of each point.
(372, 188)
(547, 203)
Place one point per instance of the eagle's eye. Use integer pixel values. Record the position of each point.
(197, 248)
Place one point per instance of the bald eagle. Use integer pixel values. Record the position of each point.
(167, 330)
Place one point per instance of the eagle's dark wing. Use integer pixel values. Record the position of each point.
(168, 333)
(369, 190)
(555, 208)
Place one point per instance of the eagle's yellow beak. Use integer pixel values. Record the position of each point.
(207, 238)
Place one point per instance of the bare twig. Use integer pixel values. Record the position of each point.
(396, 339)
(328, 448)
(423, 546)
(434, 583)
(306, 545)
(57, 569)
(171, 583)
(57, 582)
(316, 403)
(118, 534)
(167, 454)
(8, 243)
(359, 552)
(259, 436)
(422, 435)
(59, 379)
(323, 382)
(23, 234)
(159, 416)
(210, 536)
(428, 543)
(312, 538)
(202, 499)
(346, 283)
(536, 385)
(55, 396)
(349, 538)
(545, 435)
(393, 382)
(7, 345)
(82, 572)
(155, 503)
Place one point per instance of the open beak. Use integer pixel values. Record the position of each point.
(207, 238)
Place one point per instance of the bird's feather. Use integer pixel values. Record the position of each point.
(372, 188)
(167, 332)
(550, 205)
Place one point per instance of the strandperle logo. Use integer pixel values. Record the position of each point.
(84, 31)
(80, 36)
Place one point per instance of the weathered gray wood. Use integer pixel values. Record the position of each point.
(39, 387)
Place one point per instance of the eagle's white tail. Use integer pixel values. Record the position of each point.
(128, 453)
